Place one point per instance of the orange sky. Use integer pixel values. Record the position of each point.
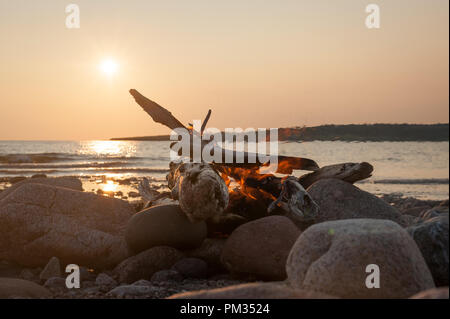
(255, 63)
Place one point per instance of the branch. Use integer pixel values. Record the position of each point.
(156, 111)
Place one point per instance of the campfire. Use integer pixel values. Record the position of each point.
(227, 195)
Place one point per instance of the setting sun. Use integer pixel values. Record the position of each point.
(109, 67)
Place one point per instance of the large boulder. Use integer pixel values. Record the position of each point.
(146, 263)
(260, 247)
(269, 290)
(19, 288)
(40, 221)
(163, 225)
(333, 257)
(341, 200)
(66, 182)
(432, 238)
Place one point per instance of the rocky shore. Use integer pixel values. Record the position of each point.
(124, 250)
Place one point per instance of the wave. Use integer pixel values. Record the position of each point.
(412, 181)
(40, 158)
(121, 170)
(64, 166)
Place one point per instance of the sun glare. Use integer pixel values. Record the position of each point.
(109, 67)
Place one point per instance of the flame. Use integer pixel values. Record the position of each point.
(242, 176)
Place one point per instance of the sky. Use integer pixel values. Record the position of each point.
(260, 64)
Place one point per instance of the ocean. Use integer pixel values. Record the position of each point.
(416, 169)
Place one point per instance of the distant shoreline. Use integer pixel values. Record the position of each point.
(348, 132)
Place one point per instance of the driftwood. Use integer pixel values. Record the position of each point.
(286, 164)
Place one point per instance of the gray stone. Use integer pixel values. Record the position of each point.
(40, 221)
(56, 283)
(19, 288)
(146, 263)
(66, 182)
(191, 268)
(105, 280)
(432, 237)
(260, 247)
(52, 269)
(341, 200)
(164, 225)
(210, 251)
(166, 275)
(142, 282)
(132, 291)
(332, 257)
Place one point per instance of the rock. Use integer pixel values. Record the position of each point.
(66, 182)
(434, 293)
(146, 263)
(432, 238)
(28, 274)
(40, 221)
(270, 290)
(260, 247)
(210, 251)
(52, 269)
(133, 291)
(143, 282)
(332, 257)
(191, 268)
(56, 283)
(166, 275)
(92, 290)
(341, 200)
(89, 284)
(163, 225)
(13, 288)
(105, 280)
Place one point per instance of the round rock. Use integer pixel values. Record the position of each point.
(163, 225)
(191, 268)
(166, 275)
(146, 263)
(341, 200)
(432, 238)
(261, 247)
(12, 287)
(333, 258)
